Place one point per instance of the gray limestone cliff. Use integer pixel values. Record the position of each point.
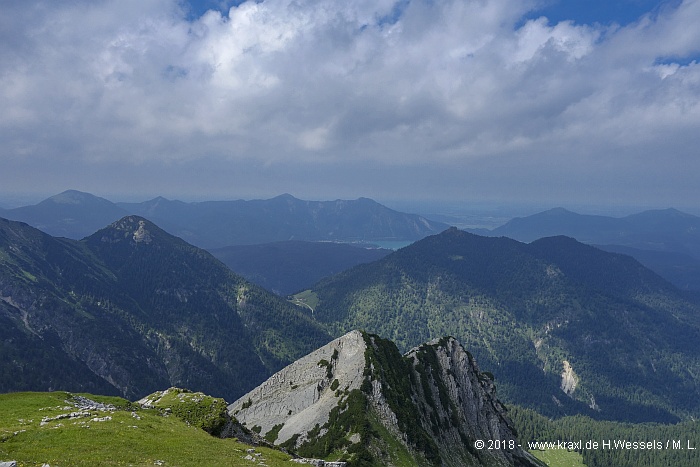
(300, 396)
(357, 399)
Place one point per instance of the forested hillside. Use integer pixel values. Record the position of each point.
(616, 443)
(565, 328)
(132, 309)
(666, 241)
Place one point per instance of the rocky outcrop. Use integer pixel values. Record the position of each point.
(458, 405)
(360, 397)
(302, 395)
(319, 462)
(569, 379)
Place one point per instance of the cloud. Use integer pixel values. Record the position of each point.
(442, 87)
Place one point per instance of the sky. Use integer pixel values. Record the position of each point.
(546, 101)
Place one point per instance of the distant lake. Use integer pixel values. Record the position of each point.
(392, 244)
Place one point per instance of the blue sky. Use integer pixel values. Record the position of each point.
(581, 11)
(199, 7)
(463, 100)
(621, 12)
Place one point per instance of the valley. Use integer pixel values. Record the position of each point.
(401, 233)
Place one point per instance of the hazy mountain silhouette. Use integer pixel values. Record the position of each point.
(216, 224)
(674, 236)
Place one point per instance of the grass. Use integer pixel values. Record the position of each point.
(196, 409)
(559, 458)
(394, 450)
(132, 437)
(307, 299)
(29, 276)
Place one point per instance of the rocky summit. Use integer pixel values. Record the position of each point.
(358, 400)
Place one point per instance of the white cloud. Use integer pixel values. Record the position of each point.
(536, 35)
(387, 83)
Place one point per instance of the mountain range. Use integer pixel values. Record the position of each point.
(564, 327)
(132, 309)
(216, 224)
(71, 214)
(660, 230)
(666, 240)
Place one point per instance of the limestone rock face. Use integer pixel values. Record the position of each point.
(465, 407)
(300, 395)
(569, 379)
(359, 396)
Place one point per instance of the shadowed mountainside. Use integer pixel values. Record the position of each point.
(141, 310)
(666, 240)
(565, 327)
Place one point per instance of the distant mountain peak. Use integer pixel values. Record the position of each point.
(661, 214)
(130, 222)
(285, 197)
(72, 213)
(74, 197)
(157, 202)
(159, 199)
(366, 200)
(135, 229)
(557, 211)
(453, 231)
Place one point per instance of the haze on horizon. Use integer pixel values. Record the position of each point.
(512, 100)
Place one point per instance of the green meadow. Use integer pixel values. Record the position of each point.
(36, 428)
(559, 458)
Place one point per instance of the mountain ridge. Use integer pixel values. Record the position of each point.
(72, 214)
(286, 218)
(216, 224)
(529, 311)
(671, 224)
(143, 310)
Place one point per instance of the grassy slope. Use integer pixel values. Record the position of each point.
(123, 440)
(559, 458)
